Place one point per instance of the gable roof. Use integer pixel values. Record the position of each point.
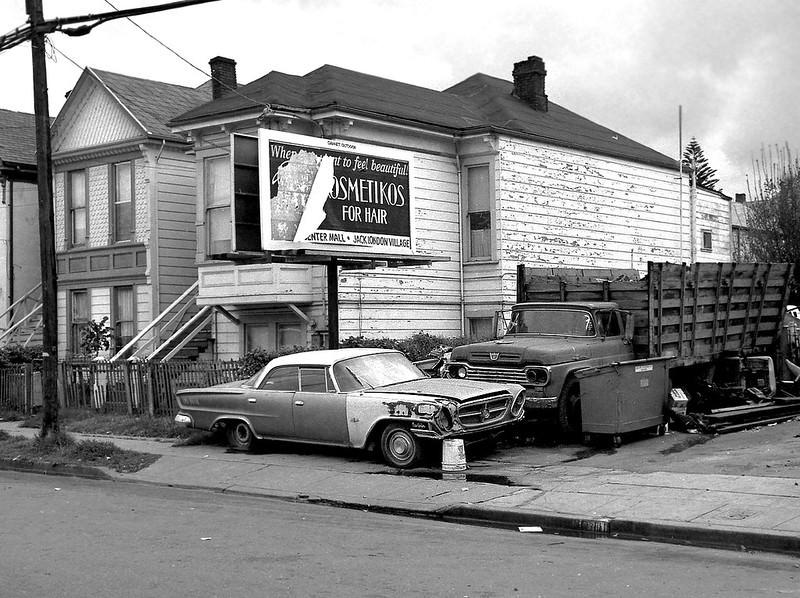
(151, 103)
(479, 102)
(17, 137)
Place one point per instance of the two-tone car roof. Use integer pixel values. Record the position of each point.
(325, 357)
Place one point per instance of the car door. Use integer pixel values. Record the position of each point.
(319, 412)
(269, 406)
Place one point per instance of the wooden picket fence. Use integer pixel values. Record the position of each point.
(132, 387)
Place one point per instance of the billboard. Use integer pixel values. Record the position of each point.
(328, 194)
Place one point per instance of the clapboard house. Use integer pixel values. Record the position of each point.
(20, 280)
(500, 176)
(124, 196)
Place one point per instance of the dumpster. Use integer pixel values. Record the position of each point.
(625, 396)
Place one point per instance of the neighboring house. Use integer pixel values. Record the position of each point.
(500, 176)
(19, 220)
(124, 189)
(739, 229)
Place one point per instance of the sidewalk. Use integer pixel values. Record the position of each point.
(736, 491)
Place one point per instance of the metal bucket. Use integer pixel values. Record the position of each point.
(453, 456)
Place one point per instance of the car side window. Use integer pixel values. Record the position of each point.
(315, 380)
(281, 378)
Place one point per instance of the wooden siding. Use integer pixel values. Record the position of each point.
(95, 120)
(176, 242)
(565, 208)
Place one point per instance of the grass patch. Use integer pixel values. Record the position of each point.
(87, 421)
(63, 449)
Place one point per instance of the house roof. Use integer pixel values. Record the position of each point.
(17, 137)
(479, 102)
(152, 103)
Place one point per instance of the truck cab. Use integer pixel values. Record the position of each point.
(544, 345)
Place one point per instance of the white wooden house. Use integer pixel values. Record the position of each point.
(124, 190)
(501, 176)
(20, 275)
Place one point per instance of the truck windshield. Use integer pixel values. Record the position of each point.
(561, 322)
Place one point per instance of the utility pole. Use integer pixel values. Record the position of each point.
(35, 31)
(47, 248)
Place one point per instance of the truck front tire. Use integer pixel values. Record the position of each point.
(569, 408)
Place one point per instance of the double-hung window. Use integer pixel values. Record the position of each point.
(124, 316)
(77, 208)
(79, 318)
(479, 233)
(121, 186)
(217, 193)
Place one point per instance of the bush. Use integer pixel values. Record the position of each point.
(418, 346)
(17, 354)
(258, 358)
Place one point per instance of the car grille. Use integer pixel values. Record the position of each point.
(499, 357)
(500, 375)
(479, 412)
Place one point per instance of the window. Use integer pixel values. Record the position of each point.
(217, 192)
(123, 316)
(315, 380)
(608, 323)
(706, 240)
(289, 335)
(79, 318)
(77, 214)
(479, 215)
(281, 378)
(256, 336)
(121, 201)
(481, 328)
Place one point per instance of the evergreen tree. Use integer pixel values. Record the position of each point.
(693, 158)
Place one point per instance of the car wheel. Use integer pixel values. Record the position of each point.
(400, 448)
(240, 436)
(569, 408)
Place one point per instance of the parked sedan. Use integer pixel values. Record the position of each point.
(351, 397)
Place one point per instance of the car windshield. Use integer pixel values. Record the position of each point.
(561, 322)
(371, 371)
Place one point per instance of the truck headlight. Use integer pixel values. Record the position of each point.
(537, 375)
(458, 371)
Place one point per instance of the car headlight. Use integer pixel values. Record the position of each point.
(537, 375)
(518, 406)
(458, 371)
(444, 419)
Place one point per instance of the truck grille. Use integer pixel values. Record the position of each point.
(499, 375)
(501, 357)
(474, 414)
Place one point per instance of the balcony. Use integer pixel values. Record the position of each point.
(230, 284)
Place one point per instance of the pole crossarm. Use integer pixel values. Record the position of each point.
(23, 33)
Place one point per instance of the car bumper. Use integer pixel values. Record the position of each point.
(541, 402)
(184, 420)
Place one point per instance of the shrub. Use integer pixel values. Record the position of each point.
(16, 354)
(257, 358)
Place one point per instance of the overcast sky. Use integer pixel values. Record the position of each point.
(627, 64)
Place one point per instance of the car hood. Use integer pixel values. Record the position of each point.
(523, 349)
(445, 388)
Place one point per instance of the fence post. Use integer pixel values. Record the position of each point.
(126, 380)
(28, 377)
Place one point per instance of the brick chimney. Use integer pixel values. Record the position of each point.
(223, 76)
(740, 198)
(529, 82)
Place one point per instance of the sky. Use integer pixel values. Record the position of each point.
(728, 67)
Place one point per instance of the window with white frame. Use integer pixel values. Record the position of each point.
(479, 237)
(217, 194)
(707, 240)
(124, 316)
(78, 319)
(122, 192)
(77, 212)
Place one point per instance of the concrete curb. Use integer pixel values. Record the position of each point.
(59, 469)
(627, 529)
